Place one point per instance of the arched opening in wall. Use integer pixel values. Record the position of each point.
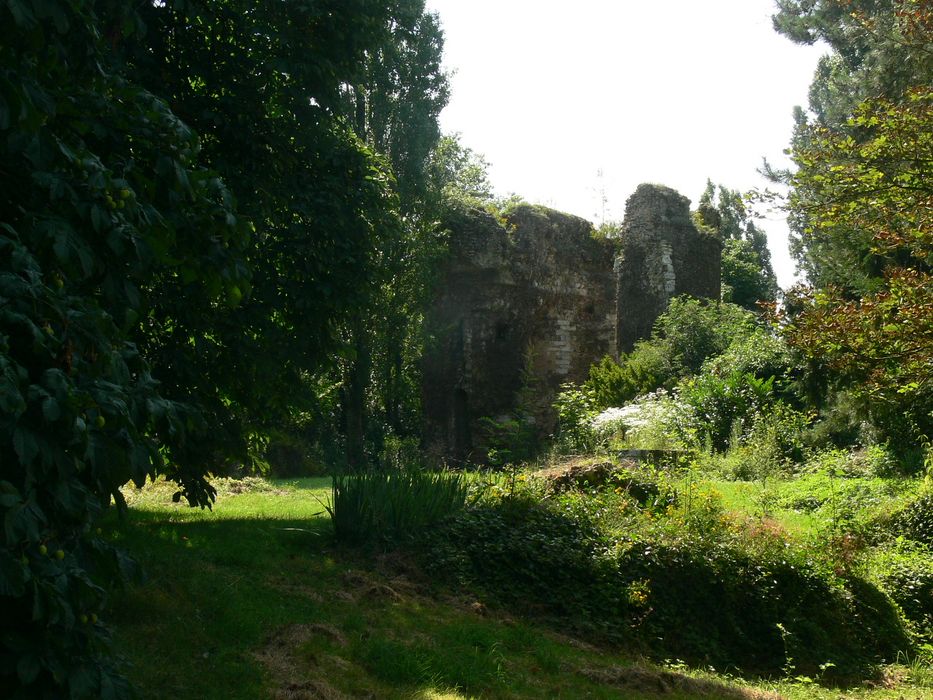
(461, 427)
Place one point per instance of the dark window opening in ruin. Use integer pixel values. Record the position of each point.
(502, 331)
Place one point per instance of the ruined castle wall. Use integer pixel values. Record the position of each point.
(528, 300)
(662, 255)
(535, 300)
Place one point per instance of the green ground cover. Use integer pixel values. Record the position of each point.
(254, 599)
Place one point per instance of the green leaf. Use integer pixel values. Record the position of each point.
(28, 667)
(12, 575)
(84, 682)
(22, 14)
(25, 445)
(50, 409)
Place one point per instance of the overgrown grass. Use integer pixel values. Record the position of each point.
(392, 505)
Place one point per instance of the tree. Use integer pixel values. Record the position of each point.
(747, 275)
(879, 49)
(102, 194)
(394, 102)
(684, 337)
(162, 296)
(877, 187)
(263, 86)
(458, 174)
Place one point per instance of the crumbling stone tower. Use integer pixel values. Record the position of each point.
(536, 299)
(662, 255)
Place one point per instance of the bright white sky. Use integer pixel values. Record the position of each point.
(666, 91)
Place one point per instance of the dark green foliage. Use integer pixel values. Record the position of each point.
(261, 87)
(684, 337)
(724, 404)
(513, 439)
(392, 506)
(880, 47)
(692, 331)
(393, 103)
(291, 454)
(747, 275)
(699, 595)
(906, 575)
(164, 298)
(530, 555)
(643, 370)
(575, 407)
(743, 281)
(458, 174)
(101, 197)
(721, 605)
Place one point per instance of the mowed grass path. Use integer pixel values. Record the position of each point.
(254, 600)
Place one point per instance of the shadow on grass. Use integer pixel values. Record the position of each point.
(257, 607)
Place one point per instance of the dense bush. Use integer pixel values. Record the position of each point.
(684, 337)
(904, 571)
(686, 582)
(915, 521)
(530, 555)
(576, 408)
(762, 354)
(726, 404)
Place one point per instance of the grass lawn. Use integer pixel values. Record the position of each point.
(253, 600)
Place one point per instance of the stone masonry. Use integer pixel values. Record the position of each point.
(532, 301)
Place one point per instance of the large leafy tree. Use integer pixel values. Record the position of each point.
(878, 187)
(860, 206)
(103, 195)
(879, 48)
(393, 103)
(262, 84)
(162, 296)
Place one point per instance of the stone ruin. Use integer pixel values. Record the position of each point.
(527, 303)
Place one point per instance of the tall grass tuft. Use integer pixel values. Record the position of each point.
(392, 505)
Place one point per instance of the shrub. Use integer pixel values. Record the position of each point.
(576, 408)
(684, 337)
(679, 582)
(400, 453)
(904, 571)
(290, 455)
(759, 353)
(643, 370)
(721, 402)
(693, 331)
(531, 555)
(772, 445)
(660, 421)
(391, 506)
(510, 440)
(841, 423)
(915, 521)
(871, 461)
